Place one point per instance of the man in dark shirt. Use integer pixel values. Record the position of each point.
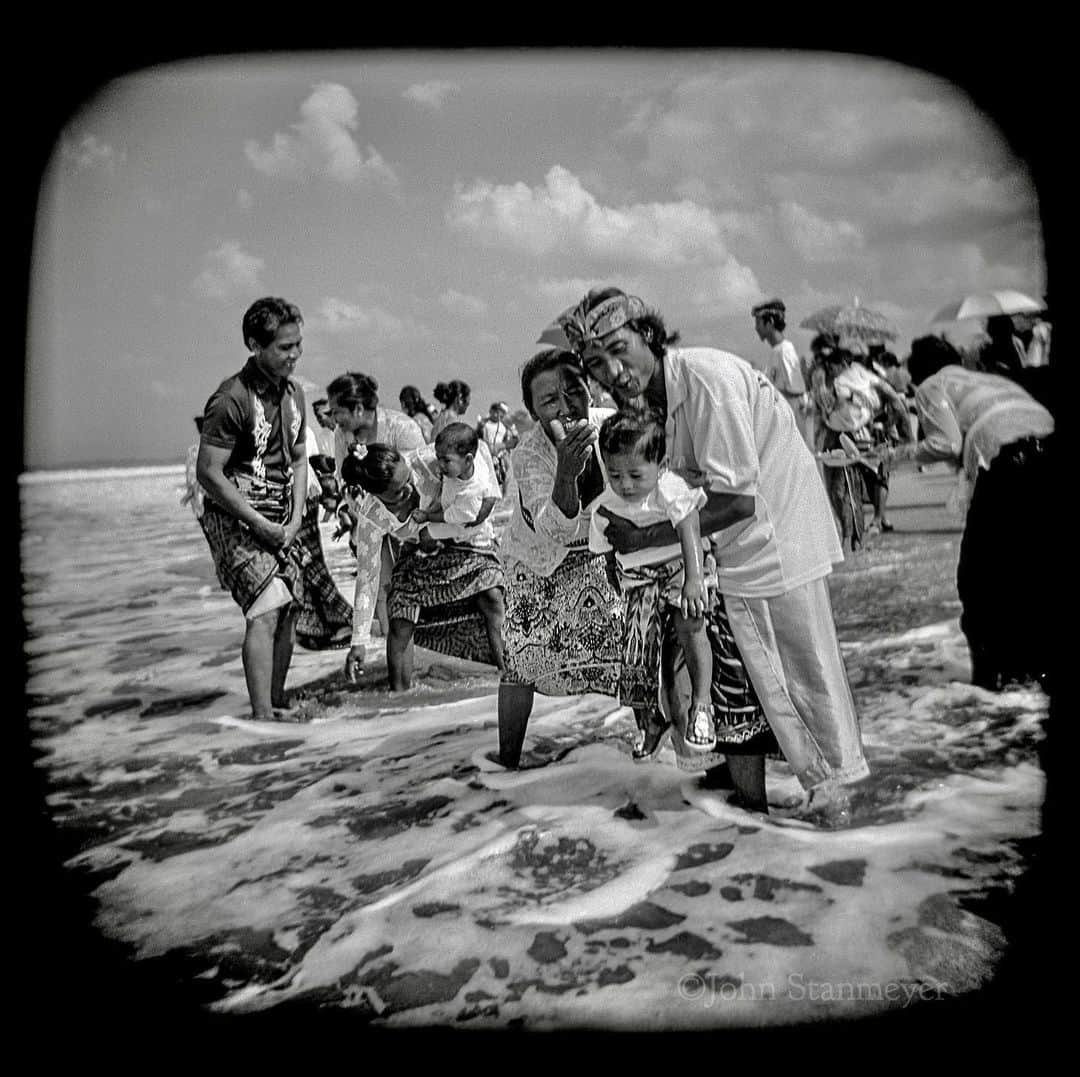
(253, 466)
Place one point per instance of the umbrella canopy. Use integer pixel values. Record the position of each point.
(852, 322)
(988, 304)
(554, 337)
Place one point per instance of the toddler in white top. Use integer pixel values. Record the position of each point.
(641, 489)
(470, 489)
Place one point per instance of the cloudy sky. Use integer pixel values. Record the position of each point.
(430, 213)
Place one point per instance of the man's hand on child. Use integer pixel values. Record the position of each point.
(693, 600)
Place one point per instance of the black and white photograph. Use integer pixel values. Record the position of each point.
(563, 540)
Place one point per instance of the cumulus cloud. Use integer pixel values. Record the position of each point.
(562, 215)
(90, 152)
(229, 270)
(464, 306)
(430, 94)
(340, 315)
(322, 143)
(726, 289)
(818, 239)
(564, 291)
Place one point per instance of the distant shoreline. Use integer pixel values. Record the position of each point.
(100, 472)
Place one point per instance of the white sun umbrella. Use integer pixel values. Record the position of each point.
(988, 304)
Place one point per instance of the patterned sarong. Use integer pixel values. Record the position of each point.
(245, 568)
(437, 592)
(563, 632)
(650, 636)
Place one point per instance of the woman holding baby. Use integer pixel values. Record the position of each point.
(443, 586)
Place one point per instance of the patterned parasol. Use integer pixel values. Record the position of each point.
(852, 322)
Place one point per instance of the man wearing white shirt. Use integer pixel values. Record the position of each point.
(775, 542)
(784, 369)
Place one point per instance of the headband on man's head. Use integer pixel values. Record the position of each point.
(582, 326)
(770, 306)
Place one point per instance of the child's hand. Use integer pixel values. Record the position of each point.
(427, 543)
(693, 599)
(345, 522)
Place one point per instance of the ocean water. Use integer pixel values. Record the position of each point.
(375, 859)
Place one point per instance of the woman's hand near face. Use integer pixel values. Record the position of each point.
(573, 448)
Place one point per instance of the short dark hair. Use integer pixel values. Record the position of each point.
(374, 470)
(650, 325)
(771, 311)
(930, 354)
(540, 363)
(457, 438)
(265, 316)
(633, 432)
(353, 388)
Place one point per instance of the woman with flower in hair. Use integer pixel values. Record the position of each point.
(353, 405)
(446, 585)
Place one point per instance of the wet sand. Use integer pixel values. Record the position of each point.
(373, 861)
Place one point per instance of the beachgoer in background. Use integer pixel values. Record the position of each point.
(418, 409)
(664, 586)
(454, 396)
(854, 406)
(773, 537)
(360, 421)
(444, 595)
(253, 466)
(1034, 332)
(785, 369)
(501, 436)
(194, 494)
(1001, 439)
(564, 616)
(1009, 351)
(324, 427)
(1003, 353)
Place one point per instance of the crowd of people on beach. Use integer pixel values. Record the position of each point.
(674, 515)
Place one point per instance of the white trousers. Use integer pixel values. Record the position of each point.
(791, 652)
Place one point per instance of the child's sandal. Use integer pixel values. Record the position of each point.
(700, 730)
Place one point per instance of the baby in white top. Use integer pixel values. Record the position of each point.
(642, 490)
(470, 489)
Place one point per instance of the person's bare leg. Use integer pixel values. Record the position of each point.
(880, 499)
(257, 655)
(284, 642)
(748, 777)
(515, 706)
(698, 653)
(490, 604)
(399, 654)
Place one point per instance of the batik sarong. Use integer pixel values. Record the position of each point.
(654, 669)
(563, 632)
(437, 592)
(245, 568)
